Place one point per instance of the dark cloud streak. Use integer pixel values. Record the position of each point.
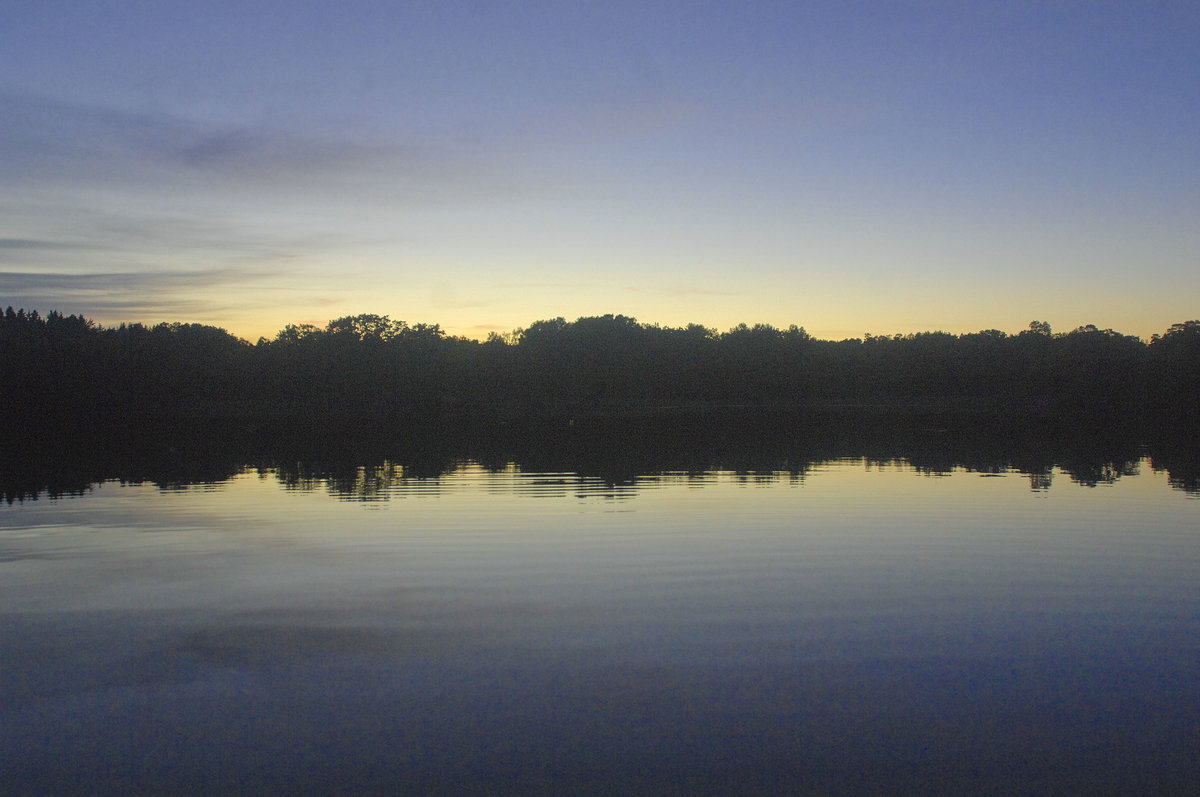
(18, 281)
(34, 244)
(132, 295)
(56, 143)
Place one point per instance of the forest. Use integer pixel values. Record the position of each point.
(67, 373)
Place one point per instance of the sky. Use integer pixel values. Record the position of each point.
(849, 167)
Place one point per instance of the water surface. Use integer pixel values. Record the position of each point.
(847, 626)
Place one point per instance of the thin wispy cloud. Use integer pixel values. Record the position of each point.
(533, 286)
(148, 281)
(680, 291)
(35, 245)
(50, 143)
(152, 294)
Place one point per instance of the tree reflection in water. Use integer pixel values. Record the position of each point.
(602, 455)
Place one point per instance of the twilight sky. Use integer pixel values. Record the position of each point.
(846, 166)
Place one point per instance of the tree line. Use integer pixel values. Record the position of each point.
(69, 371)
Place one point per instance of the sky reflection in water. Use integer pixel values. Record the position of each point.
(851, 627)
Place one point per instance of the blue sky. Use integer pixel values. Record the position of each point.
(849, 167)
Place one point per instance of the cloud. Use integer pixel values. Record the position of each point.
(74, 236)
(50, 143)
(18, 282)
(531, 286)
(680, 291)
(137, 294)
(32, 244)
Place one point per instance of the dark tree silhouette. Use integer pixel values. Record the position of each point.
(67, 372)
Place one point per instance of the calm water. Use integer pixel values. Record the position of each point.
(848, 628)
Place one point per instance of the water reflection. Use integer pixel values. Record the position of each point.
(388, 480)
(847, 617)
(614, 461)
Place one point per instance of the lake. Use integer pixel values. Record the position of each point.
(850, 625)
